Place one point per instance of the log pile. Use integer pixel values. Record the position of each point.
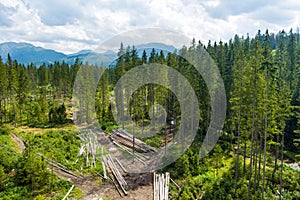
(135, 155)
(117, 177)
(126, 139)
(169, 134)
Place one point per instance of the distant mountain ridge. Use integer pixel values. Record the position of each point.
(26, 53)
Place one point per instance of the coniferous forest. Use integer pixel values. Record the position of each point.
(256, 156)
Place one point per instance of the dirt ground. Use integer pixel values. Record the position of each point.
(139, 188)
(94, 188)
(141, 193)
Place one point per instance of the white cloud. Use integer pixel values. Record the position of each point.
(57, 12)
(4, 15)
(10, 3)
(71, 25)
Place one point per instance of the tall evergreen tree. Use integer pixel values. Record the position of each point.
(3, 89)
(23, 89)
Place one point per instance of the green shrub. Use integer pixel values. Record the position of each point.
(4, 130)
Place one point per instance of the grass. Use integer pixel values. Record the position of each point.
(41, 130)
(43, 135)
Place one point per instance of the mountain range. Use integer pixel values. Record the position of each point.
(26, 53)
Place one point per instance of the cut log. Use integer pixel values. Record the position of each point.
(70, 190)
(57, 165)
(178, 187)
(129, 152)
(127, 139)
(161, 186)
(120, 164)
(167, 181)
(121, 182)
(113, 179)
(154, 186)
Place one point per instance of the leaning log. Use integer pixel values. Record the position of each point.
(70, 190)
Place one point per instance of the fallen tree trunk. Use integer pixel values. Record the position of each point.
(70, 190)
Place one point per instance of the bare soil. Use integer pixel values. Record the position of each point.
(94, 188)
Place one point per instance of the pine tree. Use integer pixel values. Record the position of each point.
(32, 170)
(22, 91)
(267, 63)
(236, 100)
(43, 75)
(12, 67)
(33, 76)
(65, 73)
(291, 50)
(3, 89)
(42, 105)
(57, 79)
(255, 63)
(144, 57)
(119, 95)
(102, 105)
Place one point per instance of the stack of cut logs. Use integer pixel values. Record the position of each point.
(126, 139)
(117, 178)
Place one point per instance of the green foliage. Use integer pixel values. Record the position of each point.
(108, 126)
(15, 192)
(155, 141)
(35, 112)
(58, 114)
(32, 170)
(61, 146)
(4, 130)
(3, 178)
(183, 167)
(25, 176)
(8, 153)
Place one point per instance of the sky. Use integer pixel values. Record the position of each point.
(72, 25)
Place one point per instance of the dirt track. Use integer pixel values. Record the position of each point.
(141, 193)
(140, 186)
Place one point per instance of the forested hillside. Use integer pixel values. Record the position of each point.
(261, 135)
